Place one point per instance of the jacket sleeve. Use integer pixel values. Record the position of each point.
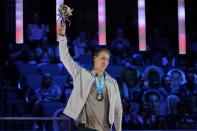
(72, 67)
(118, 110)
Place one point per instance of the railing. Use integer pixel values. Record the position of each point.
(32, 118)
(6, 119)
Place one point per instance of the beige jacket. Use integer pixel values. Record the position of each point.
(83, 80)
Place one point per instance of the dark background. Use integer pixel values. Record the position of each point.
(160, 14)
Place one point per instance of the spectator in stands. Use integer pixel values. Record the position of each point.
(120, 46)
(154, 75)
(152, 98)
(178, 81)
(165, 89)
(47, 93)
(23, 54)
(94, 43)
(36, 31)
(131, 90)
(44, 54)
(191, 86)
(12, 53)
(142, 81)
(81, 44)
(18, 54)
(178, 113)
(168, 60)
(172, 101)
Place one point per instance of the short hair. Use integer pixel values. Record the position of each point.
(100, 49)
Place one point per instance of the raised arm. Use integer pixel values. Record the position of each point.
(72, 67)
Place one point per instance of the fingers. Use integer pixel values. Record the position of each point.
(61, 28)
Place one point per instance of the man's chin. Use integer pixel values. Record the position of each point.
(103, 69)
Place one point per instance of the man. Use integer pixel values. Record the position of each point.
(95, 100)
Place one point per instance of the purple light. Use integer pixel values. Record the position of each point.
(102, 22)
(142, 25)
(58, 3)
(19, 22)
(181, 20)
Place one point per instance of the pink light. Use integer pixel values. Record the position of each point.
(181, 20)
(58, 3)
(142, 25)
(19, 22)
(102, 22)
(182, 45)
(102, 38)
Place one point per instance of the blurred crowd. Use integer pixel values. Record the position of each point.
(158, 87)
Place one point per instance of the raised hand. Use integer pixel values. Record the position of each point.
(61, 28)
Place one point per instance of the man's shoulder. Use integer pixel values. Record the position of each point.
(110, 78)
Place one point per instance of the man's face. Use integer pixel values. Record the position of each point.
(101, 61)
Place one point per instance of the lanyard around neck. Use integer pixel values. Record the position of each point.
(100, 86)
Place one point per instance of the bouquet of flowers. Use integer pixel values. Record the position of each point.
(64, 12)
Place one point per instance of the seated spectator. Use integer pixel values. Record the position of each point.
(131, 90)
(184, 120)
(172, 101)
(44, 54)
(165, 89)
(21, 54)
(168, 60)
(94, 43)
(152, 100)
(177, 78)
(47, 93)
(191, 86)
(36, 31)
(142, 82)
(120, 46)
(154, 75)
(81, 44)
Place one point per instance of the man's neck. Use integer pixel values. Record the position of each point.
(99, 73)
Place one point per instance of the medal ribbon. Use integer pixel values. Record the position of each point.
(99, 87)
